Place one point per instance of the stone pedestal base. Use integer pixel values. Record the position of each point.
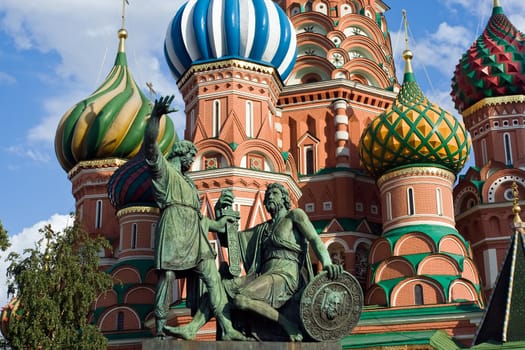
(174, 344)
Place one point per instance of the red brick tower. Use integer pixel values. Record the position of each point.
(488, 89)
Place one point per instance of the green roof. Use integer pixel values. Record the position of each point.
(371, 313)
(500, 346)
(437, 339)
(435, 232)
(142, 266)
(443, 280)
(348, 224)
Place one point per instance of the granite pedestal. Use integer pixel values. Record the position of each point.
(175, 344)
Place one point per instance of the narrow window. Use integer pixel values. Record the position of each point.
(484, 155)
(410, 195)
(418, 294)
(216, 124)
(120, 321)
(192, 122)
(439, 202)
(249, 119)
(388, 206)
(309, 159)
(98, 214)
(133, 236)
(508, 149)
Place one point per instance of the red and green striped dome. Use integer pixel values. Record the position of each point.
(413, 131)
(111, 122)
(11, 312)
(131, 184)
(493, 66)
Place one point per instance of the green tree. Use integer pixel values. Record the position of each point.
(57, 283)
(4, 239)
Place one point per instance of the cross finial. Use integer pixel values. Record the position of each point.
(405, 25)
(152, 91)
(407, 54)
(124, 3)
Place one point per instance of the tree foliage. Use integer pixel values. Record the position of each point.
(4, 239)
(57, 283)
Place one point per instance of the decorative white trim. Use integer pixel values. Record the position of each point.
(341, 119)
(341, 135)
(342, 151)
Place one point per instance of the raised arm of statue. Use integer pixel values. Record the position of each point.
(160, 108)
(304, 225)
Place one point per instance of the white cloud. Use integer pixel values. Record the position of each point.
(6, 78)
(25, 240)
(84, 37)
(31, 153)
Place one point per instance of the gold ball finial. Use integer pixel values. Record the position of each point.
(122, 33)
(408, 55)
(122, 36)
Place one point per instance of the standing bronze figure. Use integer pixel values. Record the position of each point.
(182, 248)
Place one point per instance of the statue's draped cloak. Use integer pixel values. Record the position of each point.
(181, 240)
(259, 244)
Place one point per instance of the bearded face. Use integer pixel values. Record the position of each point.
(186, 161)
(273, 201)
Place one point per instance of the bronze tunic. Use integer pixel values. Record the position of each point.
(180, 236)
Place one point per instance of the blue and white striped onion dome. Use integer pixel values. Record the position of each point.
(211, 30)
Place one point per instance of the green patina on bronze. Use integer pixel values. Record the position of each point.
(275, 257)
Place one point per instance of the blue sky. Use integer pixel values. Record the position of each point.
(54, 55)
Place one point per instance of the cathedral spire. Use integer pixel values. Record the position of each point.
(123, 33)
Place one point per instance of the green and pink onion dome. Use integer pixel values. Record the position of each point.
(493, 66)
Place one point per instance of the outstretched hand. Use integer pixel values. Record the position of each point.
(333, 270)
(162, 106)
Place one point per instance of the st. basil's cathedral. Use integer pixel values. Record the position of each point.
(305, 93)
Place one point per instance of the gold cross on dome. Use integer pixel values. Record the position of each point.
(124, 3)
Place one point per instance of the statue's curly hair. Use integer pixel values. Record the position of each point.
(286, 195)
(181, 148)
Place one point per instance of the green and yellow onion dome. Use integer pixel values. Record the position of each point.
(413, 131)
(493, 66)
(111, 122)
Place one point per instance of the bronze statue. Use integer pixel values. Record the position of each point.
(275, 257)
(181, 242)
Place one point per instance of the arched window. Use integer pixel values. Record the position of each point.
(249, 118)
(308, 6)
(133, 236)
(361, 262)
(216, 123)
(98, 214)
(410, 201)
(508, 148)
(439, 202)
(388, 206)
(418, 294)
(120, 321)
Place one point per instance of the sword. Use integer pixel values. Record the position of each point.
(234, 252)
